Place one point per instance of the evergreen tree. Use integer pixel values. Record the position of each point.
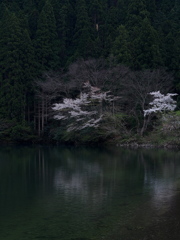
(46, 41)
(107, 29)
(12, 102)
(65, 19)
(83, 35)
(23, 20)
(13, 6)
(28, 5)
(2, 10)
(122, 11)
(137, 11)
(151, 8)
(33, 17)
(18, 67)
(97, 21)
(144, 38)
(172, 49)
(175, 16)
(30, 71)
(148, 44)
(121, 46)
(165, 5)
(95, 12)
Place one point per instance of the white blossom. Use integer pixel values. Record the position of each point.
(80, 109)
(161, 103)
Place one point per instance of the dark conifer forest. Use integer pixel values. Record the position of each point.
(50, 48)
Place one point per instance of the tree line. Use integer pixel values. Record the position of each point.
(42, 42)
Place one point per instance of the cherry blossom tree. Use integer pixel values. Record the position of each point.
(86, 111)
(161, 103)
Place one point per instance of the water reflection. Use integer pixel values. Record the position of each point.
(80, 182)
(163, 193)
(162, 177)
(83, 191)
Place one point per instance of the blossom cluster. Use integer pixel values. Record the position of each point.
(161, 103)
(80, 109)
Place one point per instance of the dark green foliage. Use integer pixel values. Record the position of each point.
(151, 7)
(121, 46)
(46, 41)
(17, 67)
(147, 46)
(33, 16)
(66, 30)
(83, 33)
(10, 131)
(12, 100)
(21, 133)
(122, 10)
(65, 22)
(145, 50)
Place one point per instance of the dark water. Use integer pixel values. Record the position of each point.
(89, 194)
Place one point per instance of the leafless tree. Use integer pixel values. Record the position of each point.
(48, 89)
(135, 92)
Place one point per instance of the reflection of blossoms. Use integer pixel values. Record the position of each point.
(163, 193)
(163, 187)
(80, 183)
(162, 180)
(161, 103)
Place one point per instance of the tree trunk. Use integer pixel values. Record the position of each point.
(39, 119)
(42, 115)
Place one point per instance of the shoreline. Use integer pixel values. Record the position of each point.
(148, 145)
(133, 145)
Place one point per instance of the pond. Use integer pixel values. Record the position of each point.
(85, 193)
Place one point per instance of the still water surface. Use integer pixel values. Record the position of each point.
(89, 194)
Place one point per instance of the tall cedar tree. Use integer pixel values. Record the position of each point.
(144, 38)
(14, 63)
(65, 19)
(120, 48)
(46, 41)
(83, 31)
(97, 21)
(33, 17)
